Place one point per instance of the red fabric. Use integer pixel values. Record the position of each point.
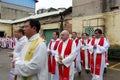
(98, 64)
(83, 55)
(7, 42)
(49, 59)
(64, 73)
(98, 58)
(13, 43)
(0, 43)
(52, 64)
(76, 41)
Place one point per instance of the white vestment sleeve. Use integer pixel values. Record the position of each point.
(78, 46)
(90, 47)
(53, 52)
(48, 47)
(108, 44)
(36, 64)
(56, 55)
(102, 49)
(67, 61)
(16, 56)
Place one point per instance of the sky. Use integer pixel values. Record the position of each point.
(53, 3)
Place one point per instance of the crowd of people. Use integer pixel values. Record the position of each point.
(7, 42)
(62, 58)
(73, 53)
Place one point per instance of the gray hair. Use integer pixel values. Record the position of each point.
(65, 32)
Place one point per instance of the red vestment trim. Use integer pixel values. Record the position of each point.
(76, 41)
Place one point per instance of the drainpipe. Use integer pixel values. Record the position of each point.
(61, 21)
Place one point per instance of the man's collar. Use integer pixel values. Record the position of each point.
(22, 38)
(34, 37)
(55, 40)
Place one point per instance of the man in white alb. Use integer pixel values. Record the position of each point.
(32, 63)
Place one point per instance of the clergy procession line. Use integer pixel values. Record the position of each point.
(64, 56)
(8, 42)
(92, 54)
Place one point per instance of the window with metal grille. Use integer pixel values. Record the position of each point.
(89, 30)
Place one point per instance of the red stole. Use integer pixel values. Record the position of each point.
(13, 42)
(64, 73)
(52, 64)
(76, 41)
(7, 42)
(96, 69)
(83, 55)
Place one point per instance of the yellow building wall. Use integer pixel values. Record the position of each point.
(79, 23)
(111, 29)
(50, 26)
(7, 28)
(55, 25)
(43, 26)
(17, 25)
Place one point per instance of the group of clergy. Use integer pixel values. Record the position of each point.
(63, 58)
(7, 42)
(67, 55)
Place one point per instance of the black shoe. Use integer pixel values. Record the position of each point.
(105, 70)
(79, 73)
(87, 71)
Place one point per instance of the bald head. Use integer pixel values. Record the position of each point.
(64, 35)
(65, 32)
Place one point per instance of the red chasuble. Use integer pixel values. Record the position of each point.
(63, 70)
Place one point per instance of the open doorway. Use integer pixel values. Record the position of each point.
(2, 33)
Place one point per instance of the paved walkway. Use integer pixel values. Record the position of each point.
(113, 71)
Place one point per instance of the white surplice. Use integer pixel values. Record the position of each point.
(69, 60)
(99, 49)
(106, 54)
(37, 67)
(10, 43)
(78, 57)
(18, 47)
